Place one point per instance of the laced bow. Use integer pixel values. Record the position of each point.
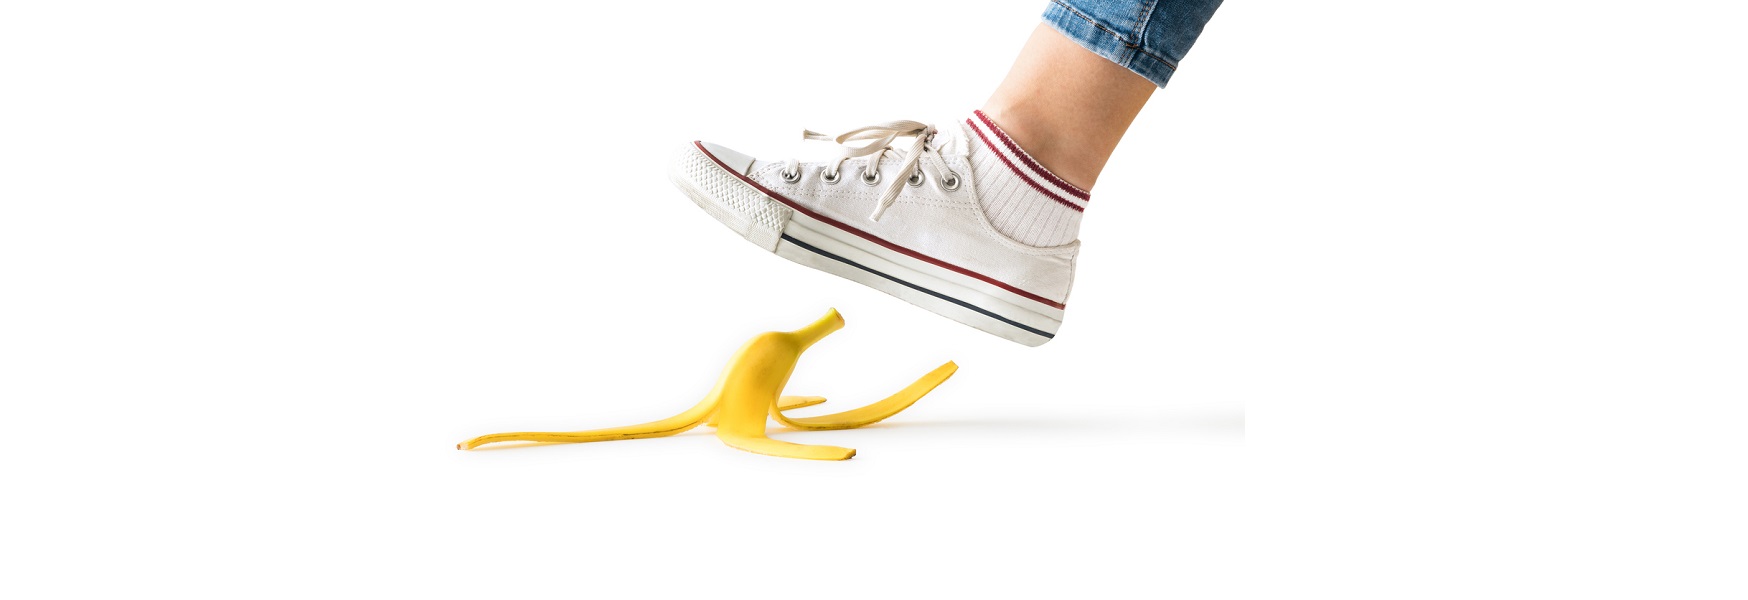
(882, 136)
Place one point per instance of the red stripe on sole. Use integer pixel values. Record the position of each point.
(883, 243)
(1027, 158)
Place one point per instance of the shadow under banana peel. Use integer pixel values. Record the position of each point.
(749, 390)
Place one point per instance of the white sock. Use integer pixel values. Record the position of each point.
(1022, 199)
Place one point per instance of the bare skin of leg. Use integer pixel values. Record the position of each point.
(1067, 106)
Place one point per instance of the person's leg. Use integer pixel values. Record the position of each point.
(977, 221)
(1086, 72)
(1067, 106)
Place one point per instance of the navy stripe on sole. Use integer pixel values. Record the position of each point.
(979, 310)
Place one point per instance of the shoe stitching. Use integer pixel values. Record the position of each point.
(911, 200)
(982, 219)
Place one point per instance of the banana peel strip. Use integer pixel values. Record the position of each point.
(750, 390)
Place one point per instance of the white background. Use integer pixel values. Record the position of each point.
(1378, 299)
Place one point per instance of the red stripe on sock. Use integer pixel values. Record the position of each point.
(1018, 172)
(1027, 158)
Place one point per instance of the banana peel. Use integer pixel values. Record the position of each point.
(750, 390)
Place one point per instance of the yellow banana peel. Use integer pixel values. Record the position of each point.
(749, 390)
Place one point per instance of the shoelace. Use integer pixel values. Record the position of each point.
(883, 135)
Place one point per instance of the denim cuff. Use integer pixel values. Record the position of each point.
(1115, 46)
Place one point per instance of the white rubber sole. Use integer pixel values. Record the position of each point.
(770, 224)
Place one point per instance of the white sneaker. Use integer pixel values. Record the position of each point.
(913, 224)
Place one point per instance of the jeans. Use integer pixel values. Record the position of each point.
(1148, 37)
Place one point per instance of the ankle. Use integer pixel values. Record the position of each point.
(1055, 149)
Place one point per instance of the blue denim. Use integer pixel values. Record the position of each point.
(1148, 37)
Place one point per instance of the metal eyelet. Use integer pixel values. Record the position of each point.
(916, 178)
(870, 177)
(950, 182)
(831, 176)
(790, 177)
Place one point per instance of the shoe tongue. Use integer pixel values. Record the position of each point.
(951, 138)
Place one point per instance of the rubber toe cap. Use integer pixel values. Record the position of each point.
(735, 161)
